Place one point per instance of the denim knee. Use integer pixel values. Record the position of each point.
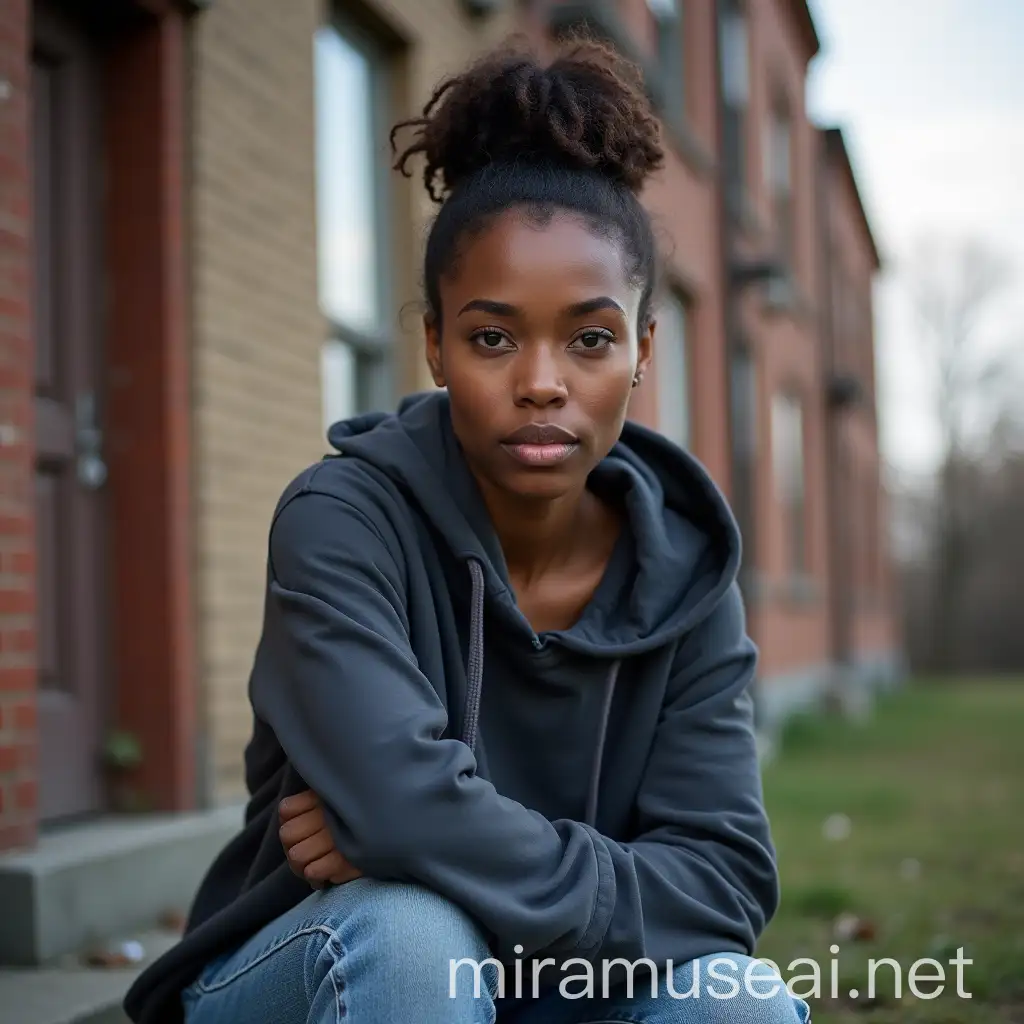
(413, 930)
(735, 989)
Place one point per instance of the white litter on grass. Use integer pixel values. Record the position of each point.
(837, 827)
(910, 869)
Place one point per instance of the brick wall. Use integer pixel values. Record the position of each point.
(257, 330)
(853, 265)
(17, 597)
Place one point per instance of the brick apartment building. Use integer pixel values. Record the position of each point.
(203, 260)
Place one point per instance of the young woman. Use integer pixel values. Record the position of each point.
(502, 695)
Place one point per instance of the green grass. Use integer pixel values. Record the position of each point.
(935, 778)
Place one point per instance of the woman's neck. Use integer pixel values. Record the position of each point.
(538, 536)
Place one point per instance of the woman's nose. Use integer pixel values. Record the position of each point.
(540, 378)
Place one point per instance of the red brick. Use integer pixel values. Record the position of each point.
(17, 678)
(26, 795)
(8, 759)
(15, 526)
(17, 640)
(24, 716)
(22, 563)
(13, 307)
(18, 836)
(17, 602)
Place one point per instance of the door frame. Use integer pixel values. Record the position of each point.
(146, 381)
(71, 717)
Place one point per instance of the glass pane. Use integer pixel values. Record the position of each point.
(671, 366)
(346, 200)
(744, 404)
(788, 447)
(338, 382)
(663, 9)
(735, 74)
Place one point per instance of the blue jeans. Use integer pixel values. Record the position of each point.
(383, 953)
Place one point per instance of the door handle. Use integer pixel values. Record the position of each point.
(91, 467)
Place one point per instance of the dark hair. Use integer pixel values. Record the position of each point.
(576, 134)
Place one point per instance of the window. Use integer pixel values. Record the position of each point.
(356, 371)
(778, 167)
(735, 81)
(788, 466)
(672, 371)
(668, 21)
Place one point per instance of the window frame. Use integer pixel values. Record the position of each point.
(735, 113)
(373, 351)
(671, 58)
(781, 198)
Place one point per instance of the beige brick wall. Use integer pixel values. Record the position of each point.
(257, 330)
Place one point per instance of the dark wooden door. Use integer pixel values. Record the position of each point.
(69, 472)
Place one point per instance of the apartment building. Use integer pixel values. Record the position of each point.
(204, 260)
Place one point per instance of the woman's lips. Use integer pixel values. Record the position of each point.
(540, 454)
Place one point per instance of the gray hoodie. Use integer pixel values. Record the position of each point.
(591, 792)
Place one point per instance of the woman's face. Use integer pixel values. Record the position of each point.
(538, 349)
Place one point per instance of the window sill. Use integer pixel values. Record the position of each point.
(602, 18)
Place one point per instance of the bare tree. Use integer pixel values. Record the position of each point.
(953, 287)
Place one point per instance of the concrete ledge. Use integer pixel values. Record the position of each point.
(86, 883)
(71, 993)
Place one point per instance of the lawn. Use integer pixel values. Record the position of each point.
(903, 838)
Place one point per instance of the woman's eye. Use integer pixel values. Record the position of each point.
(592, 341)
(493, 340)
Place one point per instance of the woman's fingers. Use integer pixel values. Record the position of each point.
(300, 803)
(305, 825)
(308, 844)
(310, 850)
(332, 868)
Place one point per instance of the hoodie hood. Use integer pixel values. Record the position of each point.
(686, 545)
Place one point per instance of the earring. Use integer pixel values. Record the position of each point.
(637, 378)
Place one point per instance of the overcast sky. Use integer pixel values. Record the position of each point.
(930, 94)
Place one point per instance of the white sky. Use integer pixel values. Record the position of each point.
(930, 94)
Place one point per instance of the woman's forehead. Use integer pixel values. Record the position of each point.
(516, 252)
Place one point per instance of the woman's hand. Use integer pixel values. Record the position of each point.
(308, 844)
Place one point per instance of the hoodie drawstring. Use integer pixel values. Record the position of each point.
(474, 688)
(475, 666)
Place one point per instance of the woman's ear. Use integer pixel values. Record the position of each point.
(645, 348)
(433, 348)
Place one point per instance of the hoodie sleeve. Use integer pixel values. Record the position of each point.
(338, 682)
(701, 876)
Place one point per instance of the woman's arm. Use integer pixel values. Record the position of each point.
(338, 682)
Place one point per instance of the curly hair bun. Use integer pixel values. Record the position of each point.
(586, 109)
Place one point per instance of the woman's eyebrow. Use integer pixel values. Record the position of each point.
(594, 306)
(490, 306)
(576, 309)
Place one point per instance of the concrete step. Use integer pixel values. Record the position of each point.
(68, 992)
(87, 883)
